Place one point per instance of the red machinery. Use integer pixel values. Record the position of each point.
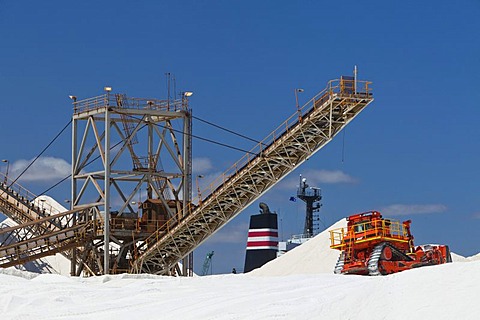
(372, 245)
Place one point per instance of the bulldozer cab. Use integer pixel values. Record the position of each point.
(370, 227)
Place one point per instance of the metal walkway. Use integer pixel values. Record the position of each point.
(40, 238)
(42, 229)
(293, 142)
(21, 205)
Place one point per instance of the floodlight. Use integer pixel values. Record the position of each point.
(188, 93)
(107, 89)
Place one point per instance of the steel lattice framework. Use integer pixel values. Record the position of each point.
(90, 229)
(298, 138)
(42, 230)
(105, 128)
(46, 236)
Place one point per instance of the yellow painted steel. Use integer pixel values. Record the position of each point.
(388, 230)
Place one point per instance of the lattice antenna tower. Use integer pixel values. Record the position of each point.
(311, 196)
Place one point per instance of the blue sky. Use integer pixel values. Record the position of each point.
(412, 154)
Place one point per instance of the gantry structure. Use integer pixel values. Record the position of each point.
(131, 206)
(144, 148)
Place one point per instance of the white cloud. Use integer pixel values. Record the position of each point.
(201, 165)
(232, 233)
(410, 209)
(317, 178)
(335, 176)
(44, 169)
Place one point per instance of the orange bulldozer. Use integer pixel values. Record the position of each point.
(372, 245)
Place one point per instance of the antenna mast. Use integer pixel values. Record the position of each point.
(311, 196)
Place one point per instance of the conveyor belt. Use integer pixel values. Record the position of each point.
(286, 148)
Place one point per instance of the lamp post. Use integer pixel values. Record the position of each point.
(74, 99)
(185, 95)
(107, 89)
(199, 195)
(6, 172)
(138, 206)
(297, 105)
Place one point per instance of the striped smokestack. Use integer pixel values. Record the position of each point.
(262, 243)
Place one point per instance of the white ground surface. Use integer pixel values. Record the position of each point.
(299, 285)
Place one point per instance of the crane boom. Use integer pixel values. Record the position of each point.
(207, 263)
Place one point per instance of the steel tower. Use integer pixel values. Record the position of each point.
(311, 196)
(128, 154)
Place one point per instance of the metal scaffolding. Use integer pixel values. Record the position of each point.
(129, 170)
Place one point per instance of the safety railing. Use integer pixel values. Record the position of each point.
(300, 237)
(336, 238)
(111, 100)
(334, 88)
(43, 245)
(136, 224)
(162, 229)
(366, 231)
(45, 226)
(19, 193)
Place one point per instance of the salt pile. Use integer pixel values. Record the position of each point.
(303, 287)
(312, 257)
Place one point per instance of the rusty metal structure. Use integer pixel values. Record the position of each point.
(131, 203)
(142, 144)
(42, 230)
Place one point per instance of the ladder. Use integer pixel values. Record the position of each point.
(293, 142)
(128, 129)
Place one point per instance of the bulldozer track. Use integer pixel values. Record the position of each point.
(374, 259)
(376, 255)
(340, 262)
